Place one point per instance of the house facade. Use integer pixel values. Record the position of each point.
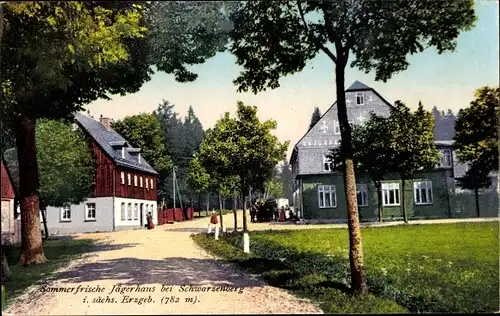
(124, 191)
(319, 192)
(10, 230)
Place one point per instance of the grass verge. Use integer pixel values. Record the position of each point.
(204, 213)
(422, 268)
(58, 252)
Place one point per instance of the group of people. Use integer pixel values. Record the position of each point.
(277, 215)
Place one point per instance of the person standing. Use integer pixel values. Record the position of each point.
(213, 225)
(149, 219)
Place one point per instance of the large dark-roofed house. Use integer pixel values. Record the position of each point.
(125, 186)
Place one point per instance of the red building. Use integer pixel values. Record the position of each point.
(10, 233)
(125, 186)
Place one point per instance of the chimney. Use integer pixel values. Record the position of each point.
(105, 121)
(139, 158)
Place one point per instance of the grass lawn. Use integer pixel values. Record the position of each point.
(58, 252)
(418, 268)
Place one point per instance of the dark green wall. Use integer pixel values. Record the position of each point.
(444, 201)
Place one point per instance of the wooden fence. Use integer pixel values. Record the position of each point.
(168, 216)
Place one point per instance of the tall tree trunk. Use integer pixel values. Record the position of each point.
(220, 214)
(199, 204)
(358, 278)
(243, 198)
(43, 210)
(208, 204)
(5, 268)
(378, 186)
(405, 217)
(476, 195)
(235, 214)
(32, 249)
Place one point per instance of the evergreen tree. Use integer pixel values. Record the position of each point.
(316, 116)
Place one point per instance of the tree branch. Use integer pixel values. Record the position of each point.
(313, 39)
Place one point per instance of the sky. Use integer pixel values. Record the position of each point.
(447, 81)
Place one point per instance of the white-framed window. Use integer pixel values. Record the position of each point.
(327, 164)
(129, 211)
(90, 212)
(327, 197)
(362, 194)
(390, 194)
(123, 212)
(140, 182)
(135, 180)
(122, 177)
(136, 211)
(66, 213)
(360, 98)
(445, 160)
(147, 182)
(336, 128)
(422, 191)
(129, 179)
(151, 183)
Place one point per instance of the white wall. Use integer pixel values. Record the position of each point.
(148, 206)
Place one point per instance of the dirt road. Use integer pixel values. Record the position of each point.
(141, 262)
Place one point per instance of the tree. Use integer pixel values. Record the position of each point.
(198, 178)
(65, 162)
(272, 39)
(73, 53)
(244, 147)
(286, 177)
(144, 131)
(273, 188)
(370, 143)
(316, 116)
(411, 145)
(476, 139)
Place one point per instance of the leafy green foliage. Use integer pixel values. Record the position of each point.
(144, 131)
(412, 140)
(198, 179)
(273, 188)
(243, 146)
(66, 165)
(476, 139)
(315, 117)
(410, 268)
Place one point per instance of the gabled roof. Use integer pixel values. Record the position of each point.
(5, 166)
(112, 143)
(358, 86)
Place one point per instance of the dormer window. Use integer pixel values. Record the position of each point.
(122, 177)
(327, 164)
(360, 98)
(446, 159)
(139, 158)
(336, 128)
(123, 152)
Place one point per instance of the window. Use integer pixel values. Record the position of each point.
(129, 179)
(326, 196)
(147, 183)
(140, 182)
(327, 164)
(129, 211)
(390, 194)
(122, 176)
(336, 128)
(90, 212)
(445, 158)
(136, 211)
(66, 213)
(135, 180)
(422, 192)
(123, 215)
(362, 194)
(360, 98)
(151, 183)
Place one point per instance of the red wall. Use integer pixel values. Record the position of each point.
(132, 191)
(106, 170)
(7, 190)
